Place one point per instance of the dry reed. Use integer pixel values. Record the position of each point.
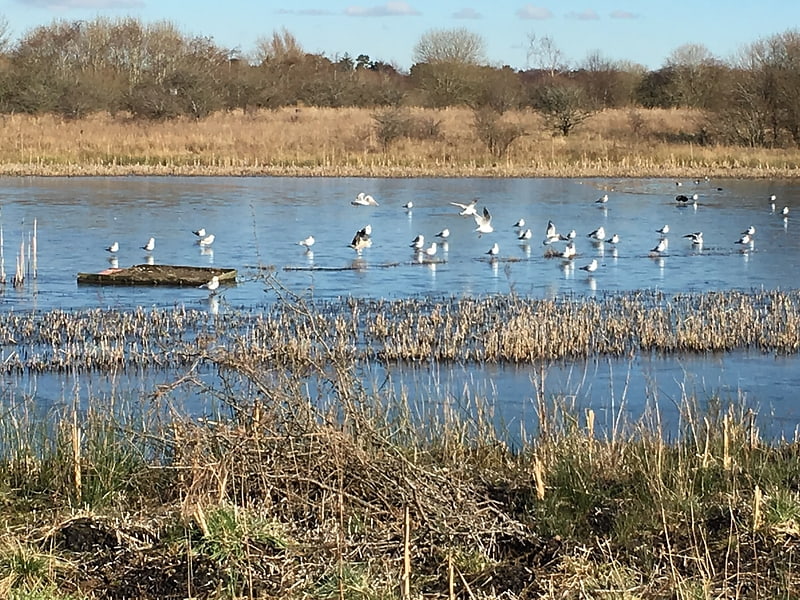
(343, 142)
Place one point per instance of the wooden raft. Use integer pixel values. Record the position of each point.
(166, 275)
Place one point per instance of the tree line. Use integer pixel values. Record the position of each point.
(153, 71)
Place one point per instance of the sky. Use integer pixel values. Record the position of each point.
(640, 31)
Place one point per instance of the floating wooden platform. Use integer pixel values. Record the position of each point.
(167, 275)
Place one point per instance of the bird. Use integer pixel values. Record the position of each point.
(467, 209)
(751, 231)
(525, 235)
(661, 247)
(200, 232)
(418, 243)
(745, 240)
(362, 239)
(150, 245)
(308, 242)
(569, 251)
(520, 224)
(408, 205)
(570, 236)
(598, 234)
(207, 240)
(551, 233)
(613, 240)
(364, 200)
(444, 233)
(785, 211)
(772, 200)
(113, 248)
(696, 237)
(494, 250)
(682, 199)
(591, 267)
(664, 230)
(484, 222)
(602, 199)
(212, 284)
(431, 250)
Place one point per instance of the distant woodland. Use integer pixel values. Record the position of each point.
(152, 71)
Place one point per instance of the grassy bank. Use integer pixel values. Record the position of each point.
(305, 482)
(345, 142)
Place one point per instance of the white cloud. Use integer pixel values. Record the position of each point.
(467, 13)
(306, 12)
(389, 9)
(623, 14)
(584, 15)
(78, 4)
(538, 13)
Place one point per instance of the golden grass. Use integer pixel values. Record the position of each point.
(343, 142)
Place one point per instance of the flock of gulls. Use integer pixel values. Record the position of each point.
(558, 245)
(552, 237)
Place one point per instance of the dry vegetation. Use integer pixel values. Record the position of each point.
(310, 481)
(343, 142)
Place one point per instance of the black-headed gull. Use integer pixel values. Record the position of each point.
(591, 267)
(484, 222)
(364, 200)
(150, 245)
(113, 248)
(467, 210)
(308, 242)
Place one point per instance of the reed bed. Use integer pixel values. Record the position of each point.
(497, 329)
(342, 492)
(311, 141)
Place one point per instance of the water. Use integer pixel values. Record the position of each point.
(258, 222)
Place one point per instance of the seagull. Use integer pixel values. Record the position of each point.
(569, 251)
(613, 240)
(467, 209)
(200, 232)
(520, 224)
(212, 285)
(418, 243)
(431, 250)
(570, 236)
(525, 235)
(785, 211)
(308, 242)
(745, 240)
(661, 247)
(113, 247)
(598, 234)
(444, 234)
(551, 233)
(207, 240)
(664, 230)
(364, 200)
(591, 267)
(150, 245)
(602, 199)
(408, 205)
(751, 231)
(696, 237)
(484, 222)
(362, 239)
(772, 200)
(494, 250)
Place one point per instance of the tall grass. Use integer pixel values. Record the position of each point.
(347, 141)
(347, 490)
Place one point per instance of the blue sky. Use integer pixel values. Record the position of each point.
(641, 31)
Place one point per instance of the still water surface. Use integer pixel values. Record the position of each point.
(258, 222)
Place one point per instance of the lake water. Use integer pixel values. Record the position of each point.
(258, 222)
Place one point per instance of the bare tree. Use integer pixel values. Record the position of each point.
(282, 46)
(458, 46)
(545, 55)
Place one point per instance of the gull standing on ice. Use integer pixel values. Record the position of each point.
(308, 242)
(598, 234)
(444, 233)
(362, 239)
(207, 240)
(661, 247)
(418, 243)
(113, 248)
(150, 245)
(525, 235)
(664, 230)
(212, 285)
(591, 267)
(494, 250)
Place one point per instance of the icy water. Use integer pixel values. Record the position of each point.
(257, 223)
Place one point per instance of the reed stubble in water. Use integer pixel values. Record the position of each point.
(345, 492)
